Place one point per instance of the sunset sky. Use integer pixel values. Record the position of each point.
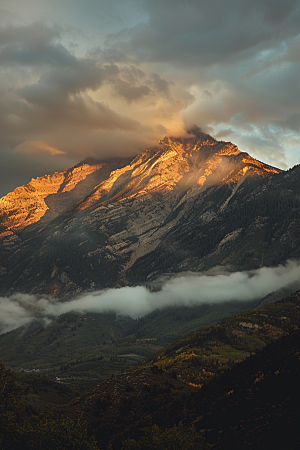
(108, 78)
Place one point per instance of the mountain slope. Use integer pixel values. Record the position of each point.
(254, 402)
(46, 197)
(202, 354)
(187, 204)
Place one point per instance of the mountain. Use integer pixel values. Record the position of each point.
(187, 204)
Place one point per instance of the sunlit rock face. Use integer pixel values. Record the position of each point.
(185, 204)
(46, 197)
(177, 165)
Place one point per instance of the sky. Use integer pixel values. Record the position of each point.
(218, 286)
(109, 78)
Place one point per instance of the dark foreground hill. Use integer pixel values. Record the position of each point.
(236, 383)
(186, 204)
(253, 405)
(211, 379)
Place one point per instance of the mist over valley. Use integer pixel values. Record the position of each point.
(182, 291)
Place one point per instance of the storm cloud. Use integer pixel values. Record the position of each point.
(105, 79)
(188, 290)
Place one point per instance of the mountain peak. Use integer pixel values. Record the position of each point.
(175, 165)
(200, 137)
(201, 142)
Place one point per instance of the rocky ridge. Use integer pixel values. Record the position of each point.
(51, 194)
(177, 165)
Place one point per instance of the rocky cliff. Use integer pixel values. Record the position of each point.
(48, 196)
(185, 204)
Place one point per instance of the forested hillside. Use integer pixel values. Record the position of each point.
(246, 358)
(237, 382)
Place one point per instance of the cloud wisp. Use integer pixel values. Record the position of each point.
(187, 290)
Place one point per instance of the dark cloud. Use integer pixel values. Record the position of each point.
(37, 35)
(129, 92)
(6, 15)
(57, 84)
(132, 84)
(207, 32)
(56, 95)
(240, 57)
(195, 130)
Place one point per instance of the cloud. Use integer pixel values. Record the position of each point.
(34, 147)
(18, 310)
(187, 290)
(36, 36)
(47, 105)
(80, 77)
(7, 16)
(208, 33)
(135, 85)
(54, 86)
(194, 130)
(68, 102)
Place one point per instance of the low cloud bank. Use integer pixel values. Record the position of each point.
(187, 290)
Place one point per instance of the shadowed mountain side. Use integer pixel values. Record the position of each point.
(281, 293)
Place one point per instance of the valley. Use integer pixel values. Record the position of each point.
(82, 350)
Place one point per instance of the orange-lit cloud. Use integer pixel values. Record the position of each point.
(35, 147)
